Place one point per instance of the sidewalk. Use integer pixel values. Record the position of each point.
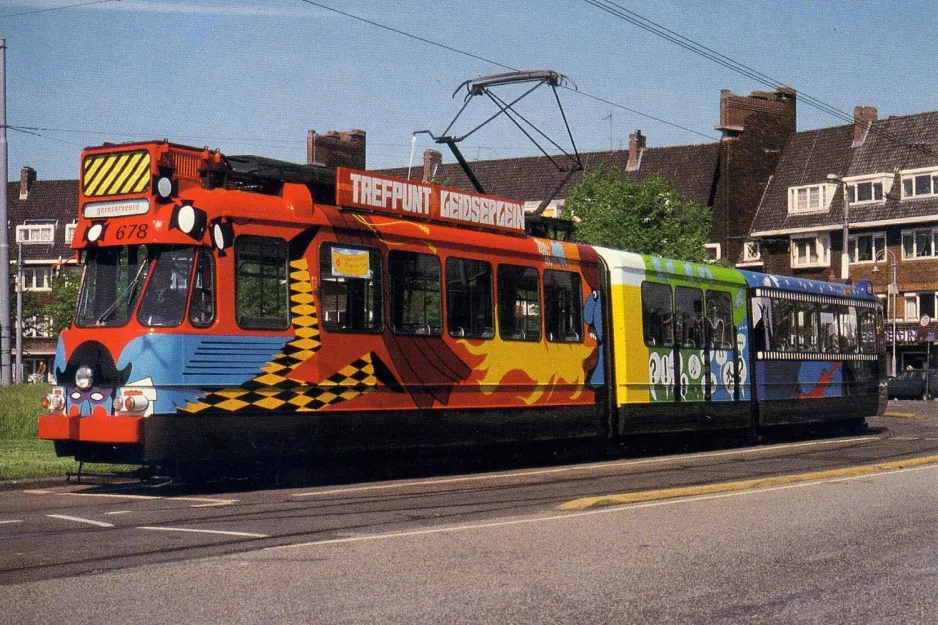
(924, 410)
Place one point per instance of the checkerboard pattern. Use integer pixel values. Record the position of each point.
(273, 389)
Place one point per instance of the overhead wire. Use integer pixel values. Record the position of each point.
(67, 6)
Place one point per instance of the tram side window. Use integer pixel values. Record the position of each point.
(469, 299)
(350, 288)
(688, 308)
(867, 330)
(261, 289)
(416, 293)
(519, 303)
(829, 329)
(807, 326)
(719, 326)
(657, 318)
(849, 336)
(562, 306)
(202, 305)
(784, 336)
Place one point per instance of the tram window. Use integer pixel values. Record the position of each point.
(688, 310)
(849, 336)
(202, 302)
(807, 326)
(829, 328)
(562, 306)
(164, 301)
(657, 317)
(416, 293)
(867, 330)
(350, 283)
(113, 280)
(519, 303)
(469, 298)
(784, 336)
(261, 289)
(719, 326)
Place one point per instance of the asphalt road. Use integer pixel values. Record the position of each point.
(495, 547)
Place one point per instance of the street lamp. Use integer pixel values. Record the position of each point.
(845, 256)
(894, 292)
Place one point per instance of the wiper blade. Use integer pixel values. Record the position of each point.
(117, 300)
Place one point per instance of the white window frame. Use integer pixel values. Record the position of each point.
(717, 250)
(825, 193)
(37, 278)
(910, 306)
(913, 232)
(908, 184)
(822, 250)
(878, 251)
(752, 251)
(35, 233)
(70, 232)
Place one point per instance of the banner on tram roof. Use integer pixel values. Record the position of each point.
(420, 200)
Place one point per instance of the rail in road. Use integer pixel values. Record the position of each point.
(66, 530)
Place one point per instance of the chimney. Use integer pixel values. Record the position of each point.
(636, 148)
(432, 159)
(736, 110)
(336, 149)
(863, 118)
(27, 178)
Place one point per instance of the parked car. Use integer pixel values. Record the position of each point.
(910, 384)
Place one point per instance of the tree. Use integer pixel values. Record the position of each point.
(55, 307)
(647, 217)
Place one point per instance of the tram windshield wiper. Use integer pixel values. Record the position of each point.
(120, 296)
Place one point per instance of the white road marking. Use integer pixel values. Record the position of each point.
(119, 512)
(575, 515)
(10, 522)
(39, 492)
(80, 520)
(204, 501)
(197, 531)
(581, 467)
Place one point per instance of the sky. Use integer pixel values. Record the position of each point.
(252, 76)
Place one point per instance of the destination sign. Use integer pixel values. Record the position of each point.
(120, 208)
(419, 200)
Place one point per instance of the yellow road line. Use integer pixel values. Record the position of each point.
(585, 503)
(903, 415)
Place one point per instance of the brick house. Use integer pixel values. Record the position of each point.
(889, 169)
(42, 217)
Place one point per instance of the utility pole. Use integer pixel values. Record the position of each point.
(18, 370)
(5, 374)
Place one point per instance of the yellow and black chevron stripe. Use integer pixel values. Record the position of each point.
(274, 389)
(115, 174)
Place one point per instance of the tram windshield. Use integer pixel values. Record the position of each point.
(158, 277)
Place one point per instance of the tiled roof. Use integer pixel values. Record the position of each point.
(48, 201)
(892, 144)
(690, 168)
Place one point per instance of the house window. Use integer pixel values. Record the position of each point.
(752, 251)
(918, 243)
(811, 251)
(911, 307)
(865, 192)
(919, 304)
(36, 278)
(810, 199)
(714, 251)
(42, 233)
(920, 184)
(867, 248)
(70, 232)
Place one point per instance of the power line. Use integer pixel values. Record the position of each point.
(27, 131)
(689, 44)
(502, 65)
(67, 6)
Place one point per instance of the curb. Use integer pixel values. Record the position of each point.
(586, 503)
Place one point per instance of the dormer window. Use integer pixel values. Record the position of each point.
(40, 233)
(811, 198)
(919, 183)
(752, 251)
(70, 232)
(865, 192)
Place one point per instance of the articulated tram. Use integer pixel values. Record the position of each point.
(241, 307)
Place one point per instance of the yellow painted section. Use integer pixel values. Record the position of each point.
(630, 353)
(585, 503)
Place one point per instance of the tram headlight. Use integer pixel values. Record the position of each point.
(136, 403)
(84, 378)
(165, 185)
(222, 234)
(55, 403)
(189, 220)
(94, 233)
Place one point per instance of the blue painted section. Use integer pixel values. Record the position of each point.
(799, 285)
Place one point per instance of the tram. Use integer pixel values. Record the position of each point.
(241, 307)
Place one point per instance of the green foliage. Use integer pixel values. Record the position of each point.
(647, 217)
(19, 410)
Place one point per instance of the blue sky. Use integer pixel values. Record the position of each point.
(251, 77)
